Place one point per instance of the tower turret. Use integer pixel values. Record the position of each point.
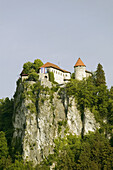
(80, 70)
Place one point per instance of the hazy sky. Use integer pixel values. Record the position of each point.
(57, 31)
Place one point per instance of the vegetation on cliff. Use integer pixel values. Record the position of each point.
(94, 94)
(32, 67)
(92, 151)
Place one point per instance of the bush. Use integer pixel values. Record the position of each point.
(73, 75)
(27, 67)
(51, 77)
(33, 76)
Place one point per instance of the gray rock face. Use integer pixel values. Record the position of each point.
(37, 125)
(90, 123)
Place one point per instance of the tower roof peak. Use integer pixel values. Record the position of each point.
(79, 63)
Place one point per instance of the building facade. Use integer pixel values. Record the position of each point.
(60, 75)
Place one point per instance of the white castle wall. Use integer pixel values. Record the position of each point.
(43, 76)
(80, 72)
(59, 75)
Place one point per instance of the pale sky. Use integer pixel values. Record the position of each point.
(57, 31)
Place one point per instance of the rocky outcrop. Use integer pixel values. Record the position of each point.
(90, 123)
(42, 116)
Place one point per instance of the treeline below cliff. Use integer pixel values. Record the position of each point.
(91, 151)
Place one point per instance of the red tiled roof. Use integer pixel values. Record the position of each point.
(22, 74)
(79, 63)
(54, 66)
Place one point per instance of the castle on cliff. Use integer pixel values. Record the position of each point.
(61, 76)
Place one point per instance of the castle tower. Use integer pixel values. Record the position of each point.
(80, 70)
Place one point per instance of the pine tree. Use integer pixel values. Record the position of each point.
(100, 75)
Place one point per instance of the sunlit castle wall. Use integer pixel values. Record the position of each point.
(67, 76)
(43, 74)
(80, 72)
(59, 76)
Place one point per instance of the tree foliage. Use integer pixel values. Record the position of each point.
(31, 67)
(92, 152)
(6, 113)
(37, 64)
(51, 77)
(96, 152)
(33, 76)
(27, 67)
(100, 75)
(73, 75)
(4, 159)
(3, 145)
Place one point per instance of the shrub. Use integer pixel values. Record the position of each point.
(51, 77)
(33, 76)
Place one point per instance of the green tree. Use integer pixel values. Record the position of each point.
(110, 109)
(3, 150)
(33, 76)
(20, 165)
(100, 75)
(66, 153)
(37, 64)
(27, 67)
(102, 100)
(111, 92)
(6, 113)
(96, 153)
(73, 75)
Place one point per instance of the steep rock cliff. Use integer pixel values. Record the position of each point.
(41, 115)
